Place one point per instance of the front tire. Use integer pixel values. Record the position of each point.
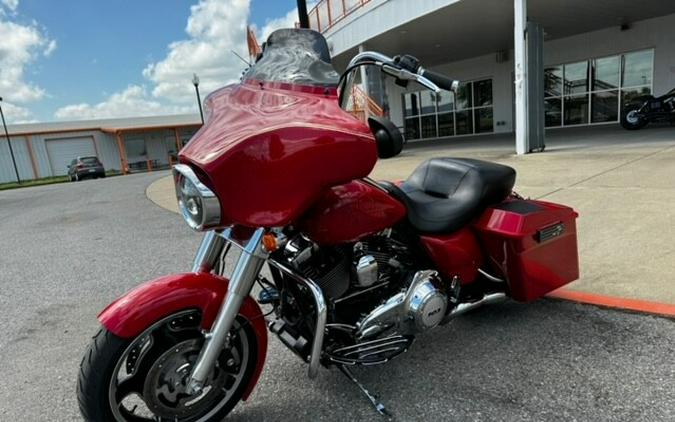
(143, 378)
(632, 120)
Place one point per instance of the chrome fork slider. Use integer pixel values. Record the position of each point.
(243, 277)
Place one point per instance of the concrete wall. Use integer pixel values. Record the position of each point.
(657, 33)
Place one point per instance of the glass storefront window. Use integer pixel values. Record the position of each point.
(429, 126)
(463, 96)
(605, 106)
(576, 109)
(483, 119)
(482, 93)
(412, 128)
(605, 74)
(446, 101)
(628, 95)
(576, 78)
(464, 120)
(553, 112)
(637, 68)
(553, 80)
(446, 124)
(594, 91)
(446, 114)
(427, 102)
(411, 105)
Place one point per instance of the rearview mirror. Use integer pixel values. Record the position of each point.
(389, 139)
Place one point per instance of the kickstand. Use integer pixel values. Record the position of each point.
(373, 400)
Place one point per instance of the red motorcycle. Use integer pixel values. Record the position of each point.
(357, 267)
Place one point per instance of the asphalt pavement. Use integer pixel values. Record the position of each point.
(67, 250)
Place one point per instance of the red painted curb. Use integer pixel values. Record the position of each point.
(644, 306)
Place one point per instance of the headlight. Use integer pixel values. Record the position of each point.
(197, 204)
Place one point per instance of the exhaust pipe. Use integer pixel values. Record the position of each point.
(463, 308)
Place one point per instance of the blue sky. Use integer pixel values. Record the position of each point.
(72, 59)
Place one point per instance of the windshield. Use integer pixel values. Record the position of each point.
(297, 56)
(89, 160)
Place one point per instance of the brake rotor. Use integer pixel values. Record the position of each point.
(165, 388)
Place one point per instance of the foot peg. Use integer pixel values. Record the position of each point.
(373, 399)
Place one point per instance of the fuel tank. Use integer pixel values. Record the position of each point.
(349, 212)
(270, 149)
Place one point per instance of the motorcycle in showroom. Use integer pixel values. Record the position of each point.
(354, 268)
(642, 110)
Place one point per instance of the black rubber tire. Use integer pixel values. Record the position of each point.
(100, 360)
(632, 126)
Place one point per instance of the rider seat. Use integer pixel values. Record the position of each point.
(444, 194)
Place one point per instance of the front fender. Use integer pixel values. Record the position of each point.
(138, 309)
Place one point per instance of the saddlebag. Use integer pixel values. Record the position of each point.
(533, 243)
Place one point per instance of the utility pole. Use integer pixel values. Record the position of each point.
(9, 142)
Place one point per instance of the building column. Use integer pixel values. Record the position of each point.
(520, 62)
(123, 152)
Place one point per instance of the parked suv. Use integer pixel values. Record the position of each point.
(83, 167)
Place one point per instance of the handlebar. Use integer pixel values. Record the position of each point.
(405, 68)
(442, 81)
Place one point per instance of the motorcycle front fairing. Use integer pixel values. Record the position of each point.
(275, 142)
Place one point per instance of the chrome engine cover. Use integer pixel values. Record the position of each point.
(421, 307)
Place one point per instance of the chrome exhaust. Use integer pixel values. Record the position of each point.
(463, 308)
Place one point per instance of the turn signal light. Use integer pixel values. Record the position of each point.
(270, 243)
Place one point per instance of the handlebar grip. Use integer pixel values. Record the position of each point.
(442, 81)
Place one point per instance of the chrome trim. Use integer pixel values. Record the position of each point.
(208, 252)
(243, 277)
(490, 277)
(321, 315)
(402, 309)
(463, 308)
(210, 205)
(387, 65)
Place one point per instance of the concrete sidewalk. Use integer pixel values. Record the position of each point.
(621, 183)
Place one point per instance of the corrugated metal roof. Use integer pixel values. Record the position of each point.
(127, 123)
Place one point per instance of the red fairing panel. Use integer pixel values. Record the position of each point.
(132, 313)
(455, 254)
(349, 212)
(270, 149)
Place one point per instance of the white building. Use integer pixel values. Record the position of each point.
(596, 54)
(125, 145)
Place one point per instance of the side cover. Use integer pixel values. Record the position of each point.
(533, 243)
(349, 212)
(132, 313)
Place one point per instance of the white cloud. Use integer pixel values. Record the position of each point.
(10, 4)
(51, 46)
(214, 29)
(133, 101)
(272, 25)
(19, 48)
(16, 114)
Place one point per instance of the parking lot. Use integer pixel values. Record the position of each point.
(67, 250)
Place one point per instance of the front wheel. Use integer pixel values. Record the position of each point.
(145, 378)
(631, 119)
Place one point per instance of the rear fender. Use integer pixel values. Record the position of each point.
(148, 303)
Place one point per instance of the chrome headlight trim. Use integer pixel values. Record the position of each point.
(198, 205)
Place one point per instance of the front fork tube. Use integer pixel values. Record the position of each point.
(243, 277)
